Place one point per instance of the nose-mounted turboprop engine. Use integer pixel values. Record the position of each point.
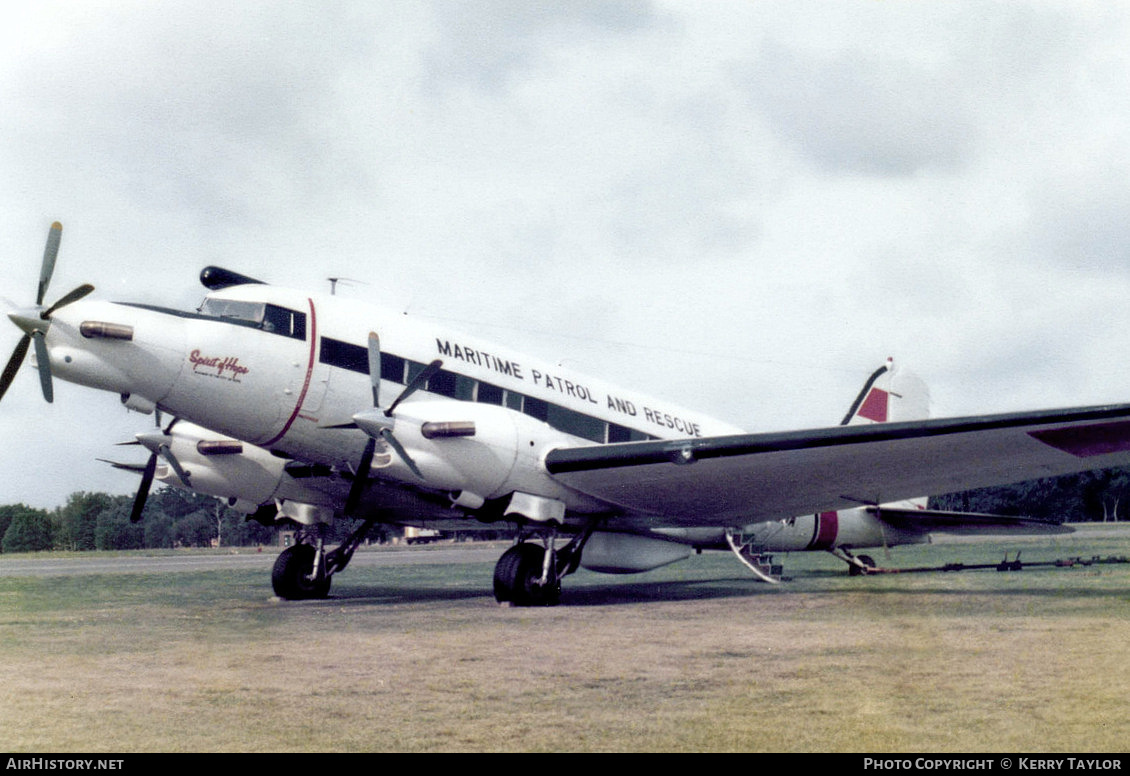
(35, 321)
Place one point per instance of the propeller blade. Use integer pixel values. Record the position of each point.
(143, 489)
(418, 382)
(375, 367)
(14, 363)
(167, 454)
(44, 363)
(361, 477)
(387, 436)
(136, 468)
(73, 296)
(50, 251)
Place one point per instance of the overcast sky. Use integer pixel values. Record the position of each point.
(742, 206)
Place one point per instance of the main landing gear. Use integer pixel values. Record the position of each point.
(304, 570)
(530, 574)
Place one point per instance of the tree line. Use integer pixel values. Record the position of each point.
(1095, 496)
(99, 521)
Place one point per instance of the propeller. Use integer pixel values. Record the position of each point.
(379, 424)
(36, 320)
(158, 443)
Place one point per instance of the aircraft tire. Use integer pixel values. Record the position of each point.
(288, 577)
(516, 575)
(866, 560)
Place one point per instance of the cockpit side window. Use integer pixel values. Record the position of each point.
(288, 323)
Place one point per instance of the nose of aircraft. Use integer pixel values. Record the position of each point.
(34, 321)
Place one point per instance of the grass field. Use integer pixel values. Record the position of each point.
(693, 657)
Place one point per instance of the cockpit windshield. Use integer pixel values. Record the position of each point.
(268, 317)
(252, 312)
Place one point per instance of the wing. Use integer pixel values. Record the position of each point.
(731, 480)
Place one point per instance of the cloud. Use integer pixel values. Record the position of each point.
(743, 206)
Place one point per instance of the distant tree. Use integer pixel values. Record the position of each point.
(240, 531)
(11, 511)
(77, 520)
(1094, 495)
(178, 503)
(196, 530)
(28, 531)
(113, 529)
(159, 531)
(7, 512)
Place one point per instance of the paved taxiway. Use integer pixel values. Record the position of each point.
(35, 565)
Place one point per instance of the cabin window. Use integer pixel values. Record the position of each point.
(414, 369)
(392, 368)
(457, 386)
(451, 385)
(443, 383)
(344, 355)
(489, 394)
(536, 408)
(618, 433)
(575, 423)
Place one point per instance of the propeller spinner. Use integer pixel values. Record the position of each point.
(36, 320)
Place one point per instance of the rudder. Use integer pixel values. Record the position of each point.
(889, 395)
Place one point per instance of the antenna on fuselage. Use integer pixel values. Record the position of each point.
(335, 281)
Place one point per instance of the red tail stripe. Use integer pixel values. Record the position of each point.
(875, 406)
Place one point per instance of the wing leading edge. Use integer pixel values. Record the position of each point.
(750, 477)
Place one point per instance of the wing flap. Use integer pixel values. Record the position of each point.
(750, 477)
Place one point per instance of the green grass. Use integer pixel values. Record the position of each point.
(695, 656)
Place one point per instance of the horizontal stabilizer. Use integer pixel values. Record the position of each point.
(931, 520)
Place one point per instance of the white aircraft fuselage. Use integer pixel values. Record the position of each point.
(283, 383)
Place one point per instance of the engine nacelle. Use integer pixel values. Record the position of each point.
(478, 451)
(245, 475)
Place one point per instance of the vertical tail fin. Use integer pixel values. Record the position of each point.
(890, 395)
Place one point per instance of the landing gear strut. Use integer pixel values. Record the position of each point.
(530, 574)
(305, 570)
